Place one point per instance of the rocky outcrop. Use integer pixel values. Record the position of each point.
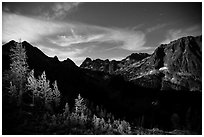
(113, 65)
(178, 66)
(180, 62)
(96, 65)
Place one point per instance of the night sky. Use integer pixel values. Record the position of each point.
(99, 30)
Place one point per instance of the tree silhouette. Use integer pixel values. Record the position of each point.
(41, 89)
(19, 69)
(80, 106)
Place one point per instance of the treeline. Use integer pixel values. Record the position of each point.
(31, 105)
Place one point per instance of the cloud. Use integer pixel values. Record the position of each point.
(174, 34)
(31, 29)
(62, 54)
(132, 40)
(59, 10)
(126, 39)
(5, 8)
(69, 39)
(154, 28)
(65, 41)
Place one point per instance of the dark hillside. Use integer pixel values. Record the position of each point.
(162, 90)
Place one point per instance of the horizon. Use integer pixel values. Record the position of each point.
(81, 30)
(97, 58)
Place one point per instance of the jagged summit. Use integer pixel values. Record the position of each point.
(137, 56)
(178, 63)
(182, 55)
(181, 59)
(113, 65)
(34, 53)
(56, 58)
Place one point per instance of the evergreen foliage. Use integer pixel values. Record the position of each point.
(80, 106)
(56, 94)
(78, 122)
(13, 91)
(18, 68)
(42, 91)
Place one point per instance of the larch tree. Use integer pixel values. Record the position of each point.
(19, 69)
(80, 106)
(41, 89)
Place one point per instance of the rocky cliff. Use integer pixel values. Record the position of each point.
(177, 65)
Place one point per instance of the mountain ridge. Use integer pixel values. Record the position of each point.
(182, 57)
(128, 91)
(179, 62)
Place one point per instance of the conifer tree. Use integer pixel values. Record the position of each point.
(32, 85)
(80, 106)
(56, 93)
(41, 89)
(13, 92)
(45, 90)
(19, 68)
(66, 110)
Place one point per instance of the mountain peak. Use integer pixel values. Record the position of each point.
(180, 61)
(137, 56)
(12, 41)
(69, 63)
(111, 66)
(56, 58)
